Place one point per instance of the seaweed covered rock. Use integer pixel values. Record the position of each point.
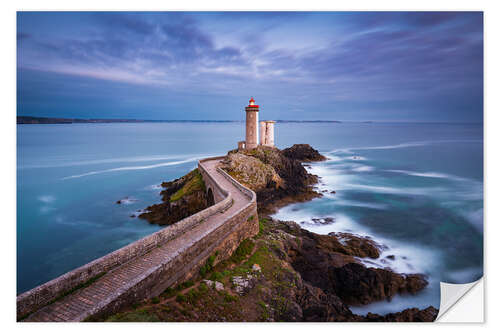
(181, 198)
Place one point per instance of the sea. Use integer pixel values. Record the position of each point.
(415, 188)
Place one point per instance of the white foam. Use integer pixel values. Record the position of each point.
(401, 145)
(361, 204)
(131, 168)
(155, 187)
(65, 163)
(363, 168)
(128, 201)
(429, 174)
(46, 209)
(46, 198)
(397, 146)
(396, 190)
(407, 258)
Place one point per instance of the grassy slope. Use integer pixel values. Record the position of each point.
(194, 183)
(195, 301)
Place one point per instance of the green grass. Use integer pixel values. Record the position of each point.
(185, 285)
(228, 298)
(169, 292)
(180, 298)
(141, 315)
(193, 296)
(243, 250)
(216, 276)
(262, 226)
(209, 265)
(202, 288)
(194, 183)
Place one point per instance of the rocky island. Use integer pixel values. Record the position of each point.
(285, 273)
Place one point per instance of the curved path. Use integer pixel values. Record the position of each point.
(86, 301)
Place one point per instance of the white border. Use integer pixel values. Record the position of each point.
(8, 132)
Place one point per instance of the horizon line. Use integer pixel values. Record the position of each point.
(229, 120)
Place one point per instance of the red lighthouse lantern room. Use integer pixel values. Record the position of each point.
(251, 103)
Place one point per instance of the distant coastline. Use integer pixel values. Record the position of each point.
(48, 120)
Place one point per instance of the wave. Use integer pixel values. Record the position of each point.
(428, 174)
(352, 203)
(47, 198)
(104, 161)
(399, 256)
(363, 168)
(155, 187)
(130, 168)
(400, 145)
(396, 190)
(128, 201)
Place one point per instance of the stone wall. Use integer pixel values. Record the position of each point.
(210, 183)
(224, 239)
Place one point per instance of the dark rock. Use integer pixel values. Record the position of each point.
(303, 153)
(132, 216)
(356, 284)
(391, 257)
(429, 314)
(119, 202)
(295, 185)
(328, 262)
(333, 192)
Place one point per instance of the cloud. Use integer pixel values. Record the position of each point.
(314, 57)
(22, 35)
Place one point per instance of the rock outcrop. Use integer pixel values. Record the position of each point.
(293, 185)
(252, 172)
(409, 315)
(330, 263)
(303, 153)
(181, 198)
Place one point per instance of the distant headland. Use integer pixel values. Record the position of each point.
(48, 120)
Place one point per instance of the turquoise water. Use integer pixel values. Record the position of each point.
(416, 188)
(419, 194)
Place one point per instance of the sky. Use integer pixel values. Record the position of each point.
(347, 66)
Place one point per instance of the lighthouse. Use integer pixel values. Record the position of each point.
(252, 111)
(266, 129)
